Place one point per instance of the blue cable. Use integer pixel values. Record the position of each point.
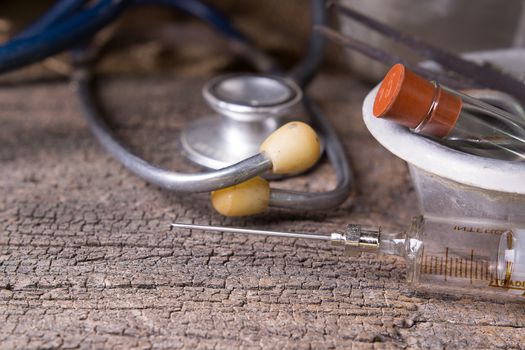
(64, 26)
(70, 32)
(60, 11)
(204, 12)
(65, 8)
(223, 25)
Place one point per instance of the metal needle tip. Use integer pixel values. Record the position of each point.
(251, 232)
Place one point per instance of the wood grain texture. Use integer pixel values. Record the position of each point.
(88, 260)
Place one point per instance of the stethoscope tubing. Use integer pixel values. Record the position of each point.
(61, 27)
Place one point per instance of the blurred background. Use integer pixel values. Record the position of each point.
(156, 38)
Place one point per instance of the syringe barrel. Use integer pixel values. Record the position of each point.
(466, 257)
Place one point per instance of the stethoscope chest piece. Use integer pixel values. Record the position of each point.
(249, 106)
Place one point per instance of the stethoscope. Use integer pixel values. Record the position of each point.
(250, 106)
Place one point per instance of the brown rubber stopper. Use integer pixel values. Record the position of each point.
(408, 99)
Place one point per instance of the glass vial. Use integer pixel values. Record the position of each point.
(455, 119)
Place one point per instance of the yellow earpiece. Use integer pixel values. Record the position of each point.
(293, 148)
(247, 198)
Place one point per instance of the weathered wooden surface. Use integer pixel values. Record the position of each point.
(87, 257)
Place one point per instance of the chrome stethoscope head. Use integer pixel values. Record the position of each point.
(249, 106)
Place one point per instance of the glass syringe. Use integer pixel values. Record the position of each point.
(445, 255)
